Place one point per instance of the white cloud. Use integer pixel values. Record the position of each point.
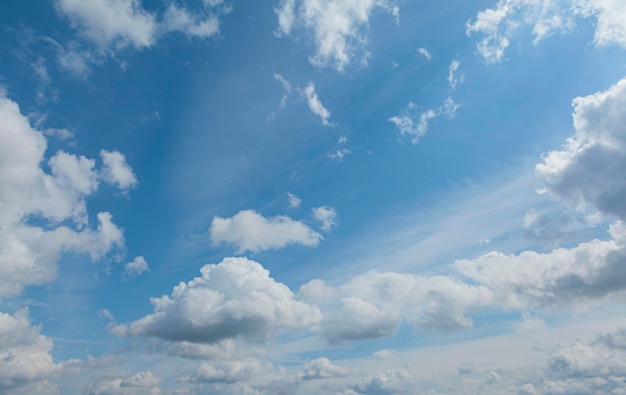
(117, 171)
(126, 383)
(28, 253)
(235, 298)
(323, 368)
(385, 383)
(106, 22)
(338, 27)
(137, 267)
(339, 155)
(315, 104)
(498, 25)
(250, 231)
(326, 215)
(294, 201)
(425, 53)
(226, 371)
(179, 19)
(453, 79)
(588, 172)
(25, 353)
(407, 125)
(286, 89)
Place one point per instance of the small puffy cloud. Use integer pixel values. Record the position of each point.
(126, 383)
(117, 171)
(326, 215)
(338, 27)
(106, 22)
(249, 231)
(339, 155)
(235, 298)
(588, 171)
(415, 128)
(315, 104)
(323, 368)
(25, 354)
(425, 53)
(294, 201)
(137, 267)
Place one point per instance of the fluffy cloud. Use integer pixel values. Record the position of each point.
(588, 171)
(315, 104)
(407, 125)
(180, 19)
(326, 215)
(25, 354)
(226, 371)
(294, 201)
(338, 27)
(116, 171)
(374, 304)
(126, 383)
(248, 230)
(323, 368)
(498, 25)
(590, 271)
(386, 383)
(106, 22)
(137, 267)
(28, 253)
(235, 298)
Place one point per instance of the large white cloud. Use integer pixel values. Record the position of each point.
(56, 200)
(250, 231)
(235, 298)
(338, 27)
(497, 25)
(25, 354)
(589, 171)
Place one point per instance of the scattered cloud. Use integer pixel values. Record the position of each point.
(425, 53)
(326, 215)
(249, 231)
(117, 171)
(338, 27)
(414, 128)
(453, 78)
(315, 104)
(235, 298)
(136, 268)
(339, 155)
(126, 383)
(294, 201)
(286, 89)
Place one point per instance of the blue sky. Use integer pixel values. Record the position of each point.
(312, 196)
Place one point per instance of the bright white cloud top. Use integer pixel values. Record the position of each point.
(214, 197)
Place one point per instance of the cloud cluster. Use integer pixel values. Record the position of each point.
(497, 25)
(126, 383)
(414, 128)
(338, 27)
(233, 299)
(44, 214)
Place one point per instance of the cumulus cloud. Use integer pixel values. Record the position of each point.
(226, 371)
(385, 383)
(415, 128)
(588, 172)
(25, 354)
(374, 304)
(137, 267)
(117, 171)
(315, 104)
(235, 298)
(126, 383)
(323, 368)
(250, 231)
(28, 253)
(326, 215)
(180, 19)
(338, 27)
(497, 25)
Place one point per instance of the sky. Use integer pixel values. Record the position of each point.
(312, 197)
